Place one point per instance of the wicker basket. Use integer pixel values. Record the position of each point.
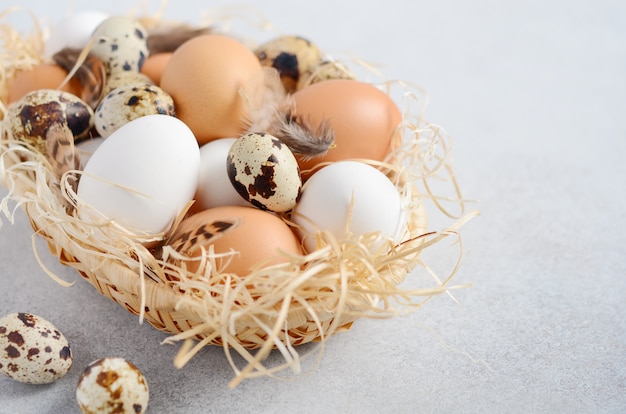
(304, 299)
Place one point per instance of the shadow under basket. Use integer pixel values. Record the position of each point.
(304, 299)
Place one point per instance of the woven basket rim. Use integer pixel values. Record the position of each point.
(369, 289)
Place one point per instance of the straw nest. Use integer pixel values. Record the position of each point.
(304, 299)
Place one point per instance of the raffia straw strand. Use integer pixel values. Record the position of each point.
(305, 299)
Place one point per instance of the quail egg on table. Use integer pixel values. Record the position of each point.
(112, 385)
(32, 350)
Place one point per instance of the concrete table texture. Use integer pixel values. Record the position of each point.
(533, 94)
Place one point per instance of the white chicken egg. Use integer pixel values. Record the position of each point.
(214, 186)
(32, 350)
(349, 197)
(112, 385)
(74, 31)
(141, 176)
(85, 148)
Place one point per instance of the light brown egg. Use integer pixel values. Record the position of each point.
(259, 237)
(363, 118)
(214, 80)
(42, 76)
(154, 66)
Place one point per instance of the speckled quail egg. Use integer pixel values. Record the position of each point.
(130, 102)
(264, 172)
(28, 119)
(112, 385)
(292, 56)
(326, 70)
(32, 350)
(117, 79)
(121, 43)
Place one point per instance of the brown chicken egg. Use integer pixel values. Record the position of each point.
(42, 76)
(154, 65)
(362, 117)
(258, 238)
(214, 81)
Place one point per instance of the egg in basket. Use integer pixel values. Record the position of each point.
(255, 197)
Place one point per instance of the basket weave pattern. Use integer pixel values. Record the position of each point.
(304, 299)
